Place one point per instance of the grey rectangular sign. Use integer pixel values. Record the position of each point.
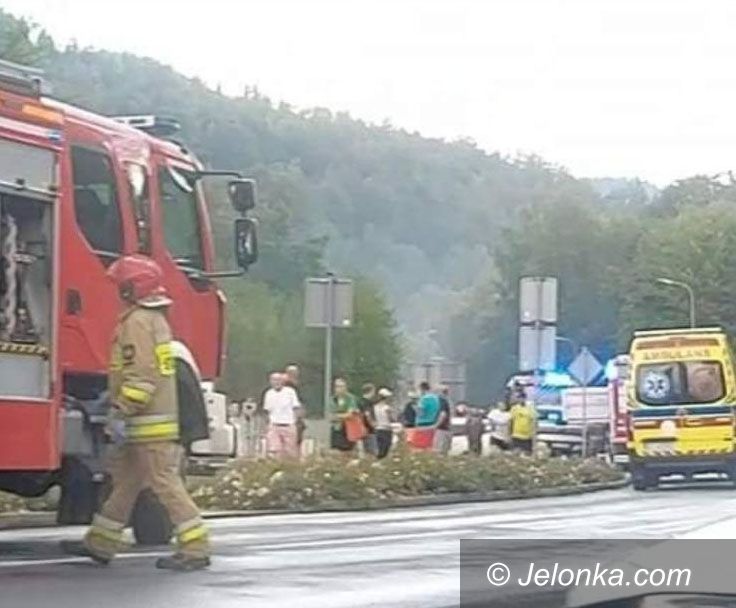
(527, 573)
(317, 305)
(538, 300)
(537, 348)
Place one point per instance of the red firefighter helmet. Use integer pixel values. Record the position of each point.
(139, 280)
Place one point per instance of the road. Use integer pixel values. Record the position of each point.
(402, 557)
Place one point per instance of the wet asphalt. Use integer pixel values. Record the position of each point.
(403, 557)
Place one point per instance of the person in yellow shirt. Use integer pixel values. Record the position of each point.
(523, 426)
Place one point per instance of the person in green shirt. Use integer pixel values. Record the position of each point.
(344, 404)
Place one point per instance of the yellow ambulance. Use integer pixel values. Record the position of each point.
(681, 406)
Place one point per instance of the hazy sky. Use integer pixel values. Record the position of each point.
(603, 87)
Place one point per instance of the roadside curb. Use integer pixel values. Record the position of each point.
(27, 519)
(43, 519)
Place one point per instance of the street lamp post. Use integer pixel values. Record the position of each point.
(686, 287)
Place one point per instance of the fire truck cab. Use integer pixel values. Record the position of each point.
(77, 191)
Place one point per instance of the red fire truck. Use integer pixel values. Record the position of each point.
(77, 191)
(618, 384)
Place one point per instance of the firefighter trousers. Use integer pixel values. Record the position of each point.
(134, 467)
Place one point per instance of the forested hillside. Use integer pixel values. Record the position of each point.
(439, 231)
(416, 214)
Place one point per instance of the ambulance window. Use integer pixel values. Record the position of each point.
(682, 382)
(180, 211)
(96, 202)
(140, 197)
(660, 384)
(705, 381)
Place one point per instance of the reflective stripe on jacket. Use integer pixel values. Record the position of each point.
(142, 380)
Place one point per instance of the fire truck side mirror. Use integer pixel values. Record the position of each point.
(242, 194)
(246, 242)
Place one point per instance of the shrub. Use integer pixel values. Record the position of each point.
(11, 503)
(322, 481)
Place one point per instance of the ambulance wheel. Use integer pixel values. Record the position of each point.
(640, 485)
(150, 521)
(639, 480)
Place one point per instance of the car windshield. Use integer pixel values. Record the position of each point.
(680, 382)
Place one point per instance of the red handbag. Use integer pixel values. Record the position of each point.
(420, 438)
(355, 428)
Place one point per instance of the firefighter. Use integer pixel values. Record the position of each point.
(144, 424)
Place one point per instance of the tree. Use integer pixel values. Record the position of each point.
(697, 247)
(22, 41)
(370, 351)
(696, 191)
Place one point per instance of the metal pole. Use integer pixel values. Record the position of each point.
(537, 366)
(328, 343)
(584, 444)
(691, 293)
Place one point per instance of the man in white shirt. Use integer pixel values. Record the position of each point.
(500, 419)
(282, 407)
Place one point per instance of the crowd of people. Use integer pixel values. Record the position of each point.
(370, 422)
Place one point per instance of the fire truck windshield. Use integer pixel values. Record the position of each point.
(180, 208)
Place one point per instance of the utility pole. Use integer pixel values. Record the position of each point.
(330, 314)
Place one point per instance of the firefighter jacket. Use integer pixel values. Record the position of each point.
(142, 381)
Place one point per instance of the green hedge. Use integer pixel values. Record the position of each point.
(320, 481)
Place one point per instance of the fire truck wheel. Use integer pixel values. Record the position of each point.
(149, 520)
(80, 495)
(151, 523)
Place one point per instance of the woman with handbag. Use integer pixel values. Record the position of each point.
(347, 420)
(422, 436)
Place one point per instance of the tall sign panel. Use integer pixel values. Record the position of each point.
(537, 324)
(328, 303)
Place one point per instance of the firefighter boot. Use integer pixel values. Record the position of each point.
(182, 563)
(79, 549)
